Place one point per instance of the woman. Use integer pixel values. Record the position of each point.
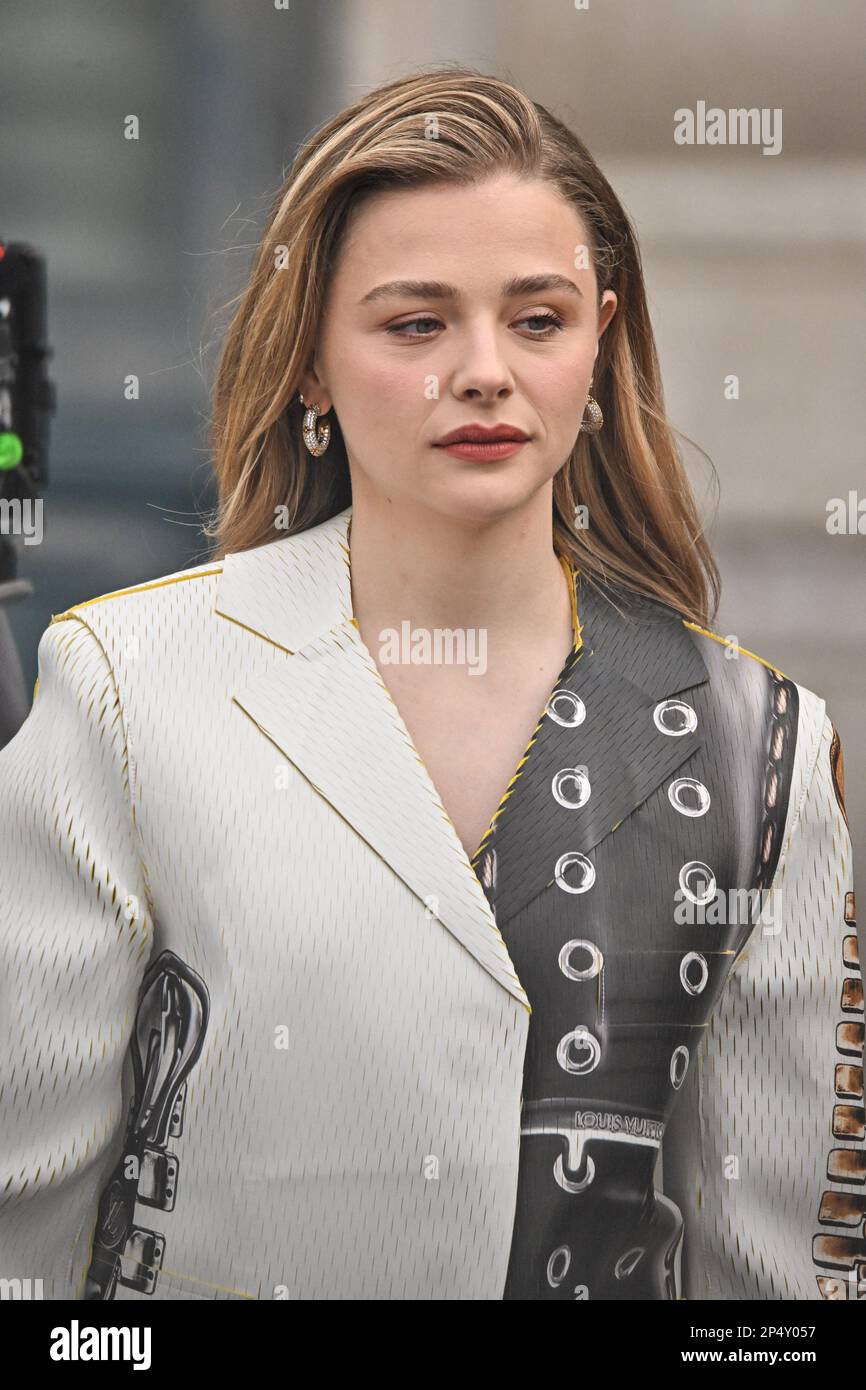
(388, 907)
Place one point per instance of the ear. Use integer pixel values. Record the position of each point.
(606, 311)
(313, 392)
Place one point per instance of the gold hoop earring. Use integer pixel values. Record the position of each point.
(594, 418)
(316, 440)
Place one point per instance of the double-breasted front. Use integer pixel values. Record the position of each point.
(267, 1032)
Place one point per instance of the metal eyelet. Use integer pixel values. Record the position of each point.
(689, 797)
(581, 1038)
(675, 717)
(554, 1279)
(585, 868)
(679, 1066)
(691, 876)
(590, 971)
(578, 776)
(578, 709)
(628, 1262)
(693, 957)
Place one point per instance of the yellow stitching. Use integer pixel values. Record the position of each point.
(744, 650)
(577, 632)
(524, 1001)
(137, 589)
(255, 632)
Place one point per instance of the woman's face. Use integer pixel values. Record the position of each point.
(467, 343)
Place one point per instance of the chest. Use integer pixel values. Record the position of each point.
(471, 732)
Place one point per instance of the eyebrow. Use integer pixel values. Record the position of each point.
(437, 289)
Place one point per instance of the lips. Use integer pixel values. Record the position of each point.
(482, 434)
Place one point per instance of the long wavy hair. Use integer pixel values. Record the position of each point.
(644, 533)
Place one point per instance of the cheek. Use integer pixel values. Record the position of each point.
(559, 385)
(399, 387)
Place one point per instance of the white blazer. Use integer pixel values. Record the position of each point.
(260, 1033)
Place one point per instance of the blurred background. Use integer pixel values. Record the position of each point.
(754, 263)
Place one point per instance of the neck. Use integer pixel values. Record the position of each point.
(501, 575)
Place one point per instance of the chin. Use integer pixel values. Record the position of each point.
(484, 497)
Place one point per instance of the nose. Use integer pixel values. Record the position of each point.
(481, 370)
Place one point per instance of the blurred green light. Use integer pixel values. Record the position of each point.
(11, 451)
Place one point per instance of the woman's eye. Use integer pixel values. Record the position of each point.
(553, 324)
(550, 324)
(410, 323)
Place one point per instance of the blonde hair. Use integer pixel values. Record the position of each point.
(645, 533)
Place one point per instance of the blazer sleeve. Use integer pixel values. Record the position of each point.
(75, 935)
(766, 1159)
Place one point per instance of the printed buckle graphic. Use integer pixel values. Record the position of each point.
(168, 1036)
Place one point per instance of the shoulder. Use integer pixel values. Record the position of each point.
(731, 651)
(797, 736)
(662, 638)
(95, 632)
(187, 586)
(733, 665)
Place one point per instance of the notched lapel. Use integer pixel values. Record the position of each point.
(632, 659)
(328, 710)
